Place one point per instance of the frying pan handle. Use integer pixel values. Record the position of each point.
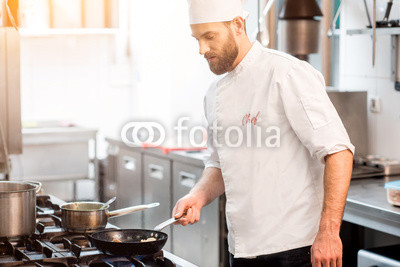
(161, 226)
(128, 210)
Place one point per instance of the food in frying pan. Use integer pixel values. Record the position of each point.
(150, 239)
(116, 240)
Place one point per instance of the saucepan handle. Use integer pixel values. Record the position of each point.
(128, 210)
(35, 183)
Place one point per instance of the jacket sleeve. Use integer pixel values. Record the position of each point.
(310, 111)
(211, 159)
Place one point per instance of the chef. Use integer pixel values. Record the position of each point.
(278, 148)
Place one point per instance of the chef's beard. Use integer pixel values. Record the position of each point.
(224, 62)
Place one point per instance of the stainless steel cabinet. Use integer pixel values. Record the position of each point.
(157, 188)
(198, 243)
(129, 187)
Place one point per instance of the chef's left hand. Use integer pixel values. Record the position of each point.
(327, 250)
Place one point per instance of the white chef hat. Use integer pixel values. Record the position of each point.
(206, 11)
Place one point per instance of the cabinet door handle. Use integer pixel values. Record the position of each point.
(156, 171)
(187, 179)
(129, 163)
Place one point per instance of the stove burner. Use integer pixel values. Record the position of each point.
(51, 245)
(6, 248)
(80, 240)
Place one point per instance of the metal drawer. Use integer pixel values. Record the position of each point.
(129, 187)
(157, 188)
(198, 243)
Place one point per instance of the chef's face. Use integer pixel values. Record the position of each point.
(217, 44)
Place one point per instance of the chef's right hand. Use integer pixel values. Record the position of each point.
(189, 206)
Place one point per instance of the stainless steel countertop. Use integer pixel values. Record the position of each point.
(190, 157)
(367, 205)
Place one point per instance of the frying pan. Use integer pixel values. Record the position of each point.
(127, 242)
(130, 244)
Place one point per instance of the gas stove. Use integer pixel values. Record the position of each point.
(51, 245)
(374, 166)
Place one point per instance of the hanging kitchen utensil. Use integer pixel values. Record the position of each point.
(388, 9)
(385, 22)
(367, 12)
(374, 35)
(332, 28)
(262, 32)
(108, 203)
(88, 217)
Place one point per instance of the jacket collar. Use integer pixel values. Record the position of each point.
(247, 61)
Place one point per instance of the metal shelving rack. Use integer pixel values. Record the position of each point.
(379, 31)
(394, 33)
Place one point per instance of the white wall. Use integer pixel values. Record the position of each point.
(356, 72)
(103, 81)
(171, 76)
(70, 78)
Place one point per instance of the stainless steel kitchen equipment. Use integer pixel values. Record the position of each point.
(66, 155)
(388, 256)
(374, 166)
(203, 248)
(108, 174)
(298, 28)
(88, 217)
(157, 188)
(352, 109)
(51, 245)
(10, 103)
(17, 208)
(127, 185)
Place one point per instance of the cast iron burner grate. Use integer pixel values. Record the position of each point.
(51, 245)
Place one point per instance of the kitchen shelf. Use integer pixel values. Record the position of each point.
(60, 32)
(368, 31)
(379, 31)
(394, 33)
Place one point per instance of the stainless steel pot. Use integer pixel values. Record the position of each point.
(18, 208)
(88, 217)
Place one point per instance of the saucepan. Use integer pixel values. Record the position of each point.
(88, 217)
(131, 242)
(18, 208)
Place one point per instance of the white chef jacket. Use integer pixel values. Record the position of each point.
(274, 194)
